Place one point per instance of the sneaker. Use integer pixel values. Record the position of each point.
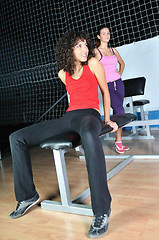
(119, 147)
(125, 148)
(99, 226)
(23, 206)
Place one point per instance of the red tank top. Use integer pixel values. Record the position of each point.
(83, 92)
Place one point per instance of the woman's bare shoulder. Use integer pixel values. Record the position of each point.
(62, 75)
(94, 64)
(93, 61)
(97, 54)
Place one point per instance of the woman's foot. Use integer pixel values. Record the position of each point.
(125, 148)
(99, 226)
(120, 148)
(23, 206)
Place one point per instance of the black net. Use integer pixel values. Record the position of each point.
(29, 84)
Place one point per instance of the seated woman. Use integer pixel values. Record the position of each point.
(82, 74)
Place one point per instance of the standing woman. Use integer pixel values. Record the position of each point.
(109, 57)
(82, 74)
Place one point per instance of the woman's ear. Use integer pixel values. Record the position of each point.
(98, 37)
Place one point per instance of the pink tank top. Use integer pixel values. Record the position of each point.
(109, 63)
(83, 92)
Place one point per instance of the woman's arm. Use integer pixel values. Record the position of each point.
(62, 76)
(97, 54)
(120, 61)
(98, 70)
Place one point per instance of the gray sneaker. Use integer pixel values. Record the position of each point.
(99, 226)
(23, 206)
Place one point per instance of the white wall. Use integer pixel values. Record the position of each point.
(142, 59)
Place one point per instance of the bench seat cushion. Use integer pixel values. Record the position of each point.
(140, 102)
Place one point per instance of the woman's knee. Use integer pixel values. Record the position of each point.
(90, 133)
(15, 137)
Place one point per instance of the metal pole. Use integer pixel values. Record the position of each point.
(51, 107)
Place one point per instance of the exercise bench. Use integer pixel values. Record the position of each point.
(60, 144)
(136, 87)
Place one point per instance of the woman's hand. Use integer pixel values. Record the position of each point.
(112, 125)
(118, 72)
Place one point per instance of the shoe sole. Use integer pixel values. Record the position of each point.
(120, 152)
(126, 149)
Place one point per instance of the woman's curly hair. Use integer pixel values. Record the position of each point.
(64, 49)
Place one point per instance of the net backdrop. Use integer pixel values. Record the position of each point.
(29, 83)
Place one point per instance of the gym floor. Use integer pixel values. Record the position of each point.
(134, 190)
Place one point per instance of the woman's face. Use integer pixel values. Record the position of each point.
(81, 51)
(104, 35)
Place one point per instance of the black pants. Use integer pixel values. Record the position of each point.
(87, 123)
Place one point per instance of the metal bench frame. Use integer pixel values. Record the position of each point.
(66, 204)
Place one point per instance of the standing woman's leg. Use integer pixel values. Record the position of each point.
(120, 108)
(117, 99)
(116, 90)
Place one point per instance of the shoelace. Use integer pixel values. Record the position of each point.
(18, 205)
(98, 221)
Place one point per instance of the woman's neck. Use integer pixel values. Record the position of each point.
(104, 46)
(78, 67)
(78, 71)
